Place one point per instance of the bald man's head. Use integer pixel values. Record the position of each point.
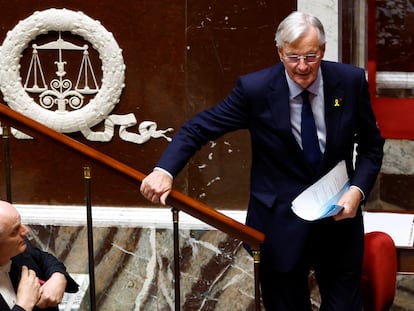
(12, 232)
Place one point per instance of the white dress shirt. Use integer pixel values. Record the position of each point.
(6, 287)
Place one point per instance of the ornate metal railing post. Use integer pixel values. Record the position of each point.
(6, 155)
(256, 262)
(176, 259)
(87, 176)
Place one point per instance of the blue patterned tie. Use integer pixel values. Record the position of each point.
(310, 143)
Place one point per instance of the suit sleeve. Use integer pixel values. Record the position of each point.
(369, 143)
(49, 264)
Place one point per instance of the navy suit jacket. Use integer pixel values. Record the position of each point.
(279, 172)
(44, 264)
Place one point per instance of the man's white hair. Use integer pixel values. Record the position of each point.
(297, 24)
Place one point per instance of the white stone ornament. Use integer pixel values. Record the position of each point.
(83, 117)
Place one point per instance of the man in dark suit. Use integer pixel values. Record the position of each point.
(268, 103)
(30, 279)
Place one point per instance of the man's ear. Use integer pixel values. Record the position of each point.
(323, 50)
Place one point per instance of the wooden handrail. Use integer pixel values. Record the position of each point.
(176, 199)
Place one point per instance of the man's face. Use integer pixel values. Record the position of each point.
(12, 240)
(302, 71)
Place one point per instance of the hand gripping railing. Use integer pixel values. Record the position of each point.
(177, 200)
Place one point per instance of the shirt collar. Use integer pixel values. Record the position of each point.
(6, 267)
(295, 89)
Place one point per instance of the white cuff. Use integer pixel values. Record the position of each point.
(163, 170)
(362, 192)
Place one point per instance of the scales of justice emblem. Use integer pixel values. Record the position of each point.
(64, 105)
(61, 92)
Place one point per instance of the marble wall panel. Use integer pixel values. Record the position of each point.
(397, 175)
(134, 268)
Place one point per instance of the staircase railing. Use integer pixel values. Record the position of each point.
(176, 199)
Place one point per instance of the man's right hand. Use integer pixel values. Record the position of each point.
(156, 187)
(28, 290)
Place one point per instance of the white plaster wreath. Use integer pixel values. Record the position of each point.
(99, 107)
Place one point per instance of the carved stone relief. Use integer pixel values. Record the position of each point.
(62, 104)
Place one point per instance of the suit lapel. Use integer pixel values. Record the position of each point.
(334, 95)
(278, 101)
(3, 304)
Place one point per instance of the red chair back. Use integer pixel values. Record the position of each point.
(379, 272)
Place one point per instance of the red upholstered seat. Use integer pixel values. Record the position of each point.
(379, 272)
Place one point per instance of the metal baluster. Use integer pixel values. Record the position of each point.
(91, 260)
(176, 260)
(6, 154)
(256, 262)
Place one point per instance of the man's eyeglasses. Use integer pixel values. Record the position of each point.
(308, 58)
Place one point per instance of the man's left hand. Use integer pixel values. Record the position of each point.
(51, 292)
(350, 201)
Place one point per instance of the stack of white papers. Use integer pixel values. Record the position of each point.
(399, 226)
(319, 200)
